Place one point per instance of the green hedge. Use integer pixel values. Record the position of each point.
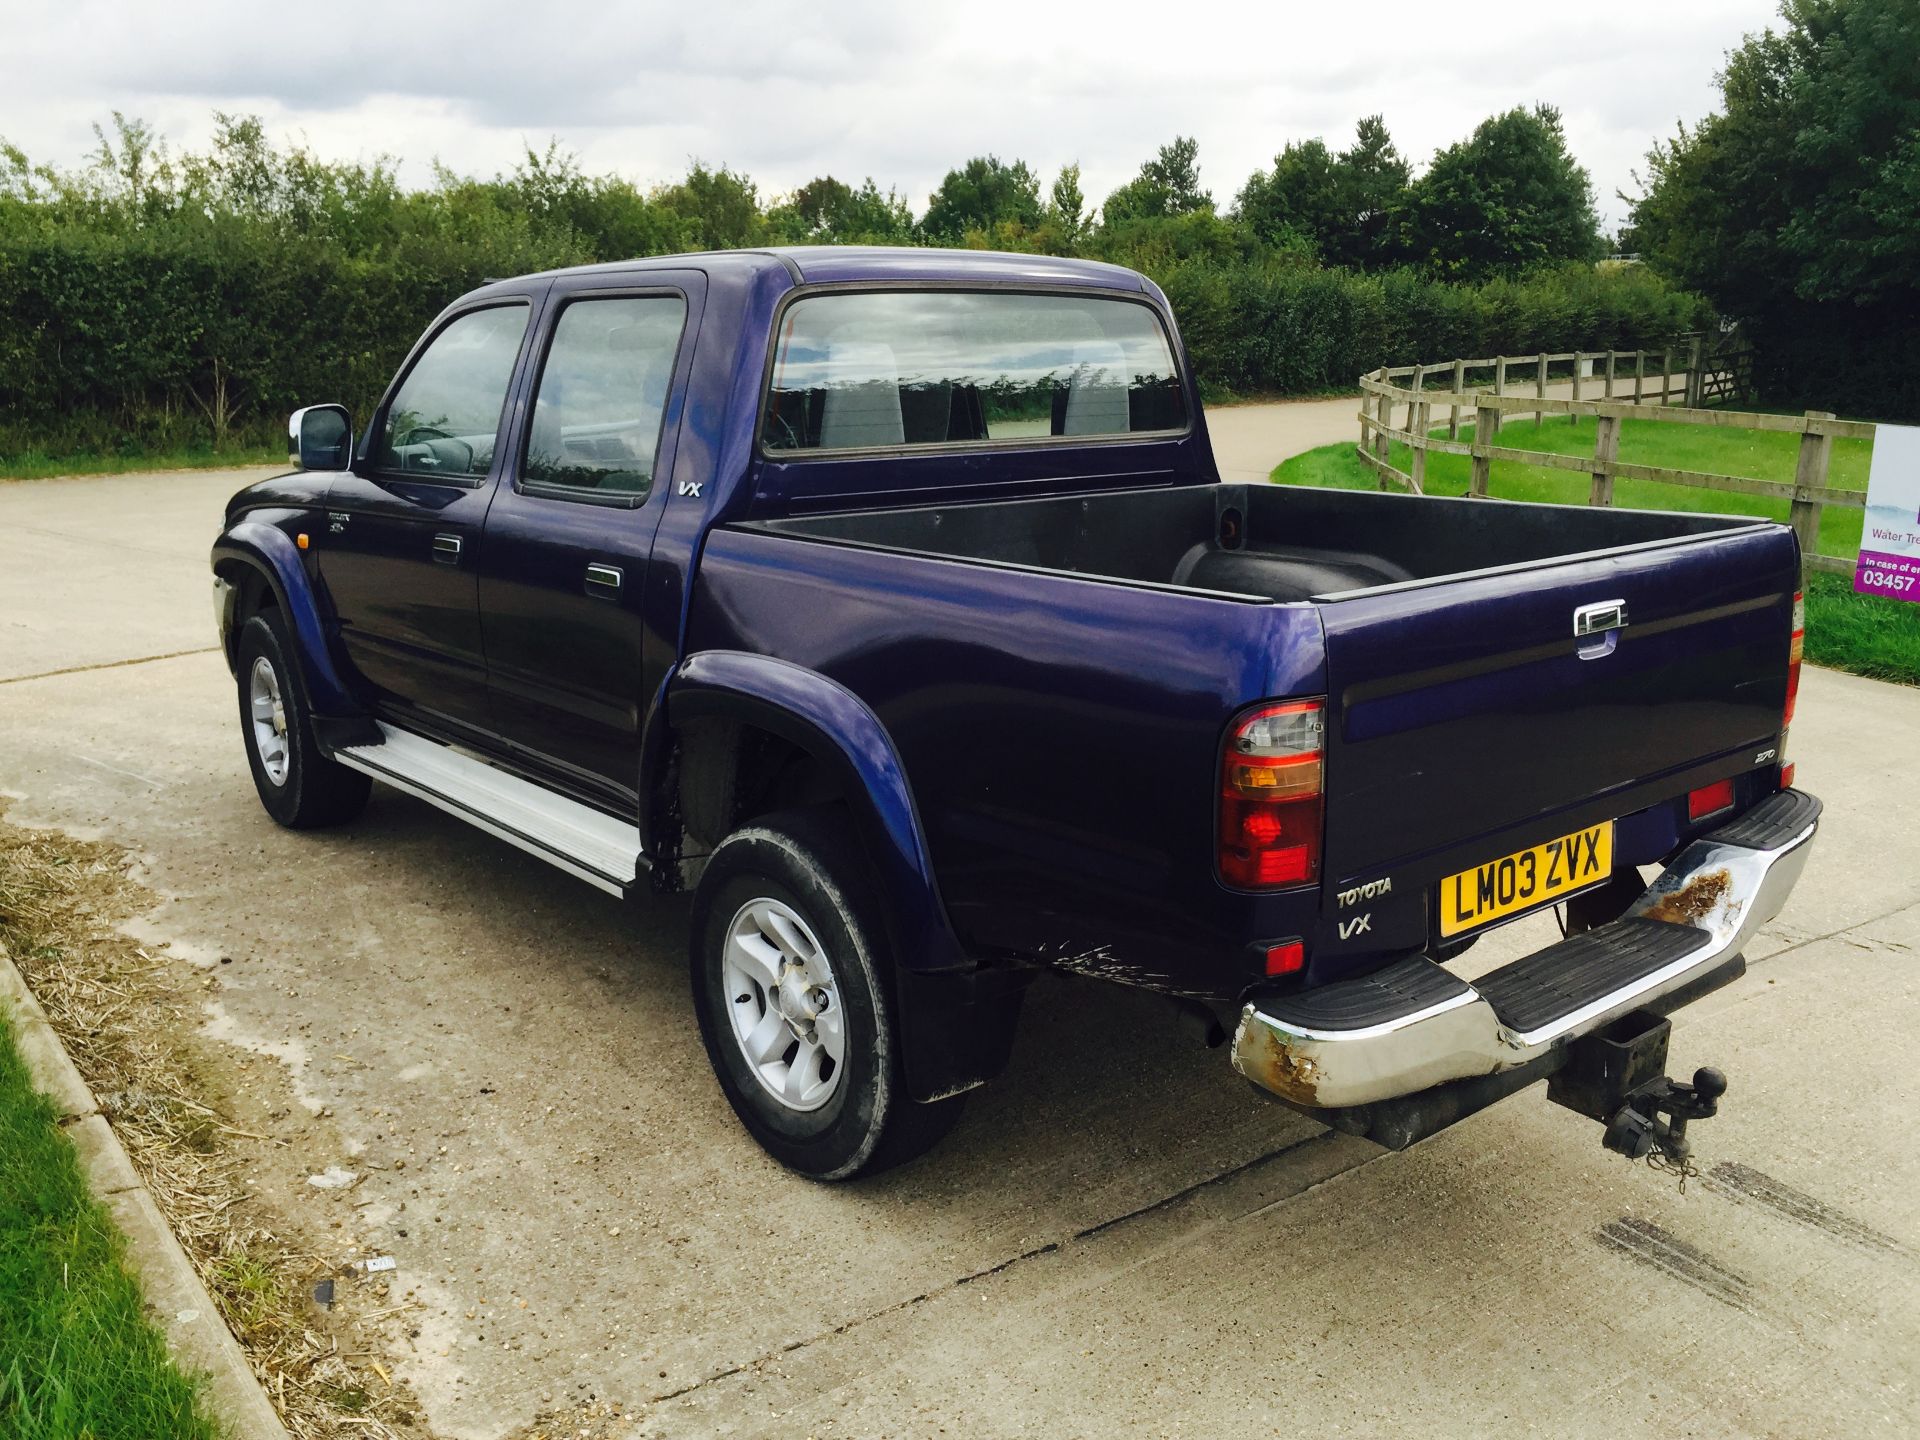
(124, 342)
(1256, 328)
(129, 342)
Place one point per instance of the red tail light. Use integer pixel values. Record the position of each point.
(1271, 796)
(1709, 799)
(1794, 648)
(1288, 957)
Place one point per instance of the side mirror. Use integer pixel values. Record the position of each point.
(320, 437)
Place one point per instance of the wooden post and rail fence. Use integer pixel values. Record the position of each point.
(1651, 392)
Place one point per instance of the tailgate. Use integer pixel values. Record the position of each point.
(1462, 708)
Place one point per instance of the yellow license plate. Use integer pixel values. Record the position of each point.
(1527, 878)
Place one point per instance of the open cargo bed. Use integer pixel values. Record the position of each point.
(1258, 542)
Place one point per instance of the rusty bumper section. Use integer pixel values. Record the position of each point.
(1414, 1026)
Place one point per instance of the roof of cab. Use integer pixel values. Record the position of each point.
(829, 264)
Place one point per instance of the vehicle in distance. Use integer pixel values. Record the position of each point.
(889, 601)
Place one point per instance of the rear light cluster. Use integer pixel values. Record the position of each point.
(1794, 648)
(1271, 797)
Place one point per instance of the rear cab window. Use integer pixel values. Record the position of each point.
(901, 369)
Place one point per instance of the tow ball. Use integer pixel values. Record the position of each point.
(1637, 1128)
(1618, 1076)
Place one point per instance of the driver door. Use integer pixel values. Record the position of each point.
(403, 530)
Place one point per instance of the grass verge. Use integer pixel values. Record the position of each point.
(40, 465)
(1866, 634)
(77, 1355)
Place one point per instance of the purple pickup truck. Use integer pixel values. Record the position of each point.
(889, 601)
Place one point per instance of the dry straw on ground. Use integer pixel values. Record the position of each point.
(128, 1017)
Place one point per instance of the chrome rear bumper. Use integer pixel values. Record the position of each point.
(1414, 1025)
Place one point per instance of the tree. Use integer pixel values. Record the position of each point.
(826, 211)
(721, 207)
(1374, 180)
(1167, 185)
(813, 212)
(979, 196)
(1067, 205)
(1300, 200)
(1807, 184)
(1347, 207)
(138, 171)
(1794, 207)
(1507, 199)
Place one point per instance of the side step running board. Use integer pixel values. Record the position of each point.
(580, 840)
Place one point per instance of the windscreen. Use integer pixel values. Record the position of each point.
(884, 369)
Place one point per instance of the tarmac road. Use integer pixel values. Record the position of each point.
(1120, 1237)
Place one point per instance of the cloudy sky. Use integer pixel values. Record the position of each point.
(899, 91)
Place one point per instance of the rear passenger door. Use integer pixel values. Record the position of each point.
(562, 578)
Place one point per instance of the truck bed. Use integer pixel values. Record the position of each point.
(1257, 542)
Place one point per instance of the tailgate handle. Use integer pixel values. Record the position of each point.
(1603, 618)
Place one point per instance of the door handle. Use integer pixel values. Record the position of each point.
(446, 549)
(603, 579)
(1599, 616)
(1597, 627)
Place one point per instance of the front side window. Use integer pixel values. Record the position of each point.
(602, 396)
(905, 367)
(446, 414)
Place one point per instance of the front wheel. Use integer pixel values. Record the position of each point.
(298, 785)
(789, 985)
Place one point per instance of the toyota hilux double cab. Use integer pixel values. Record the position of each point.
(889, 601)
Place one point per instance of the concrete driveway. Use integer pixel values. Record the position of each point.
(1249, 440)
(1119, 1238)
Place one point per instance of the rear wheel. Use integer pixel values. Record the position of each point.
(298, 785)
(789, 985)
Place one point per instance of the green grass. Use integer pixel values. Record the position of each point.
(41, 465)
(1760, 455)
(1866, 634)
(78, 1359)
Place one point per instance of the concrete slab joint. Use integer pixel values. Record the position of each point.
(196, 1333)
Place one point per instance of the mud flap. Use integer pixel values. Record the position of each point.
(957, 1027)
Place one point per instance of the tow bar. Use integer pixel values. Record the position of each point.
(1617, 1076)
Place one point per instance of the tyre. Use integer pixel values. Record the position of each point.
(790, 985)
(299, 787)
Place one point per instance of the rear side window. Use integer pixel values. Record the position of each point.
(446, 413)
(885, 369)
(602, 396)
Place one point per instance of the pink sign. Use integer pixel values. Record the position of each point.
(1890, 542)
